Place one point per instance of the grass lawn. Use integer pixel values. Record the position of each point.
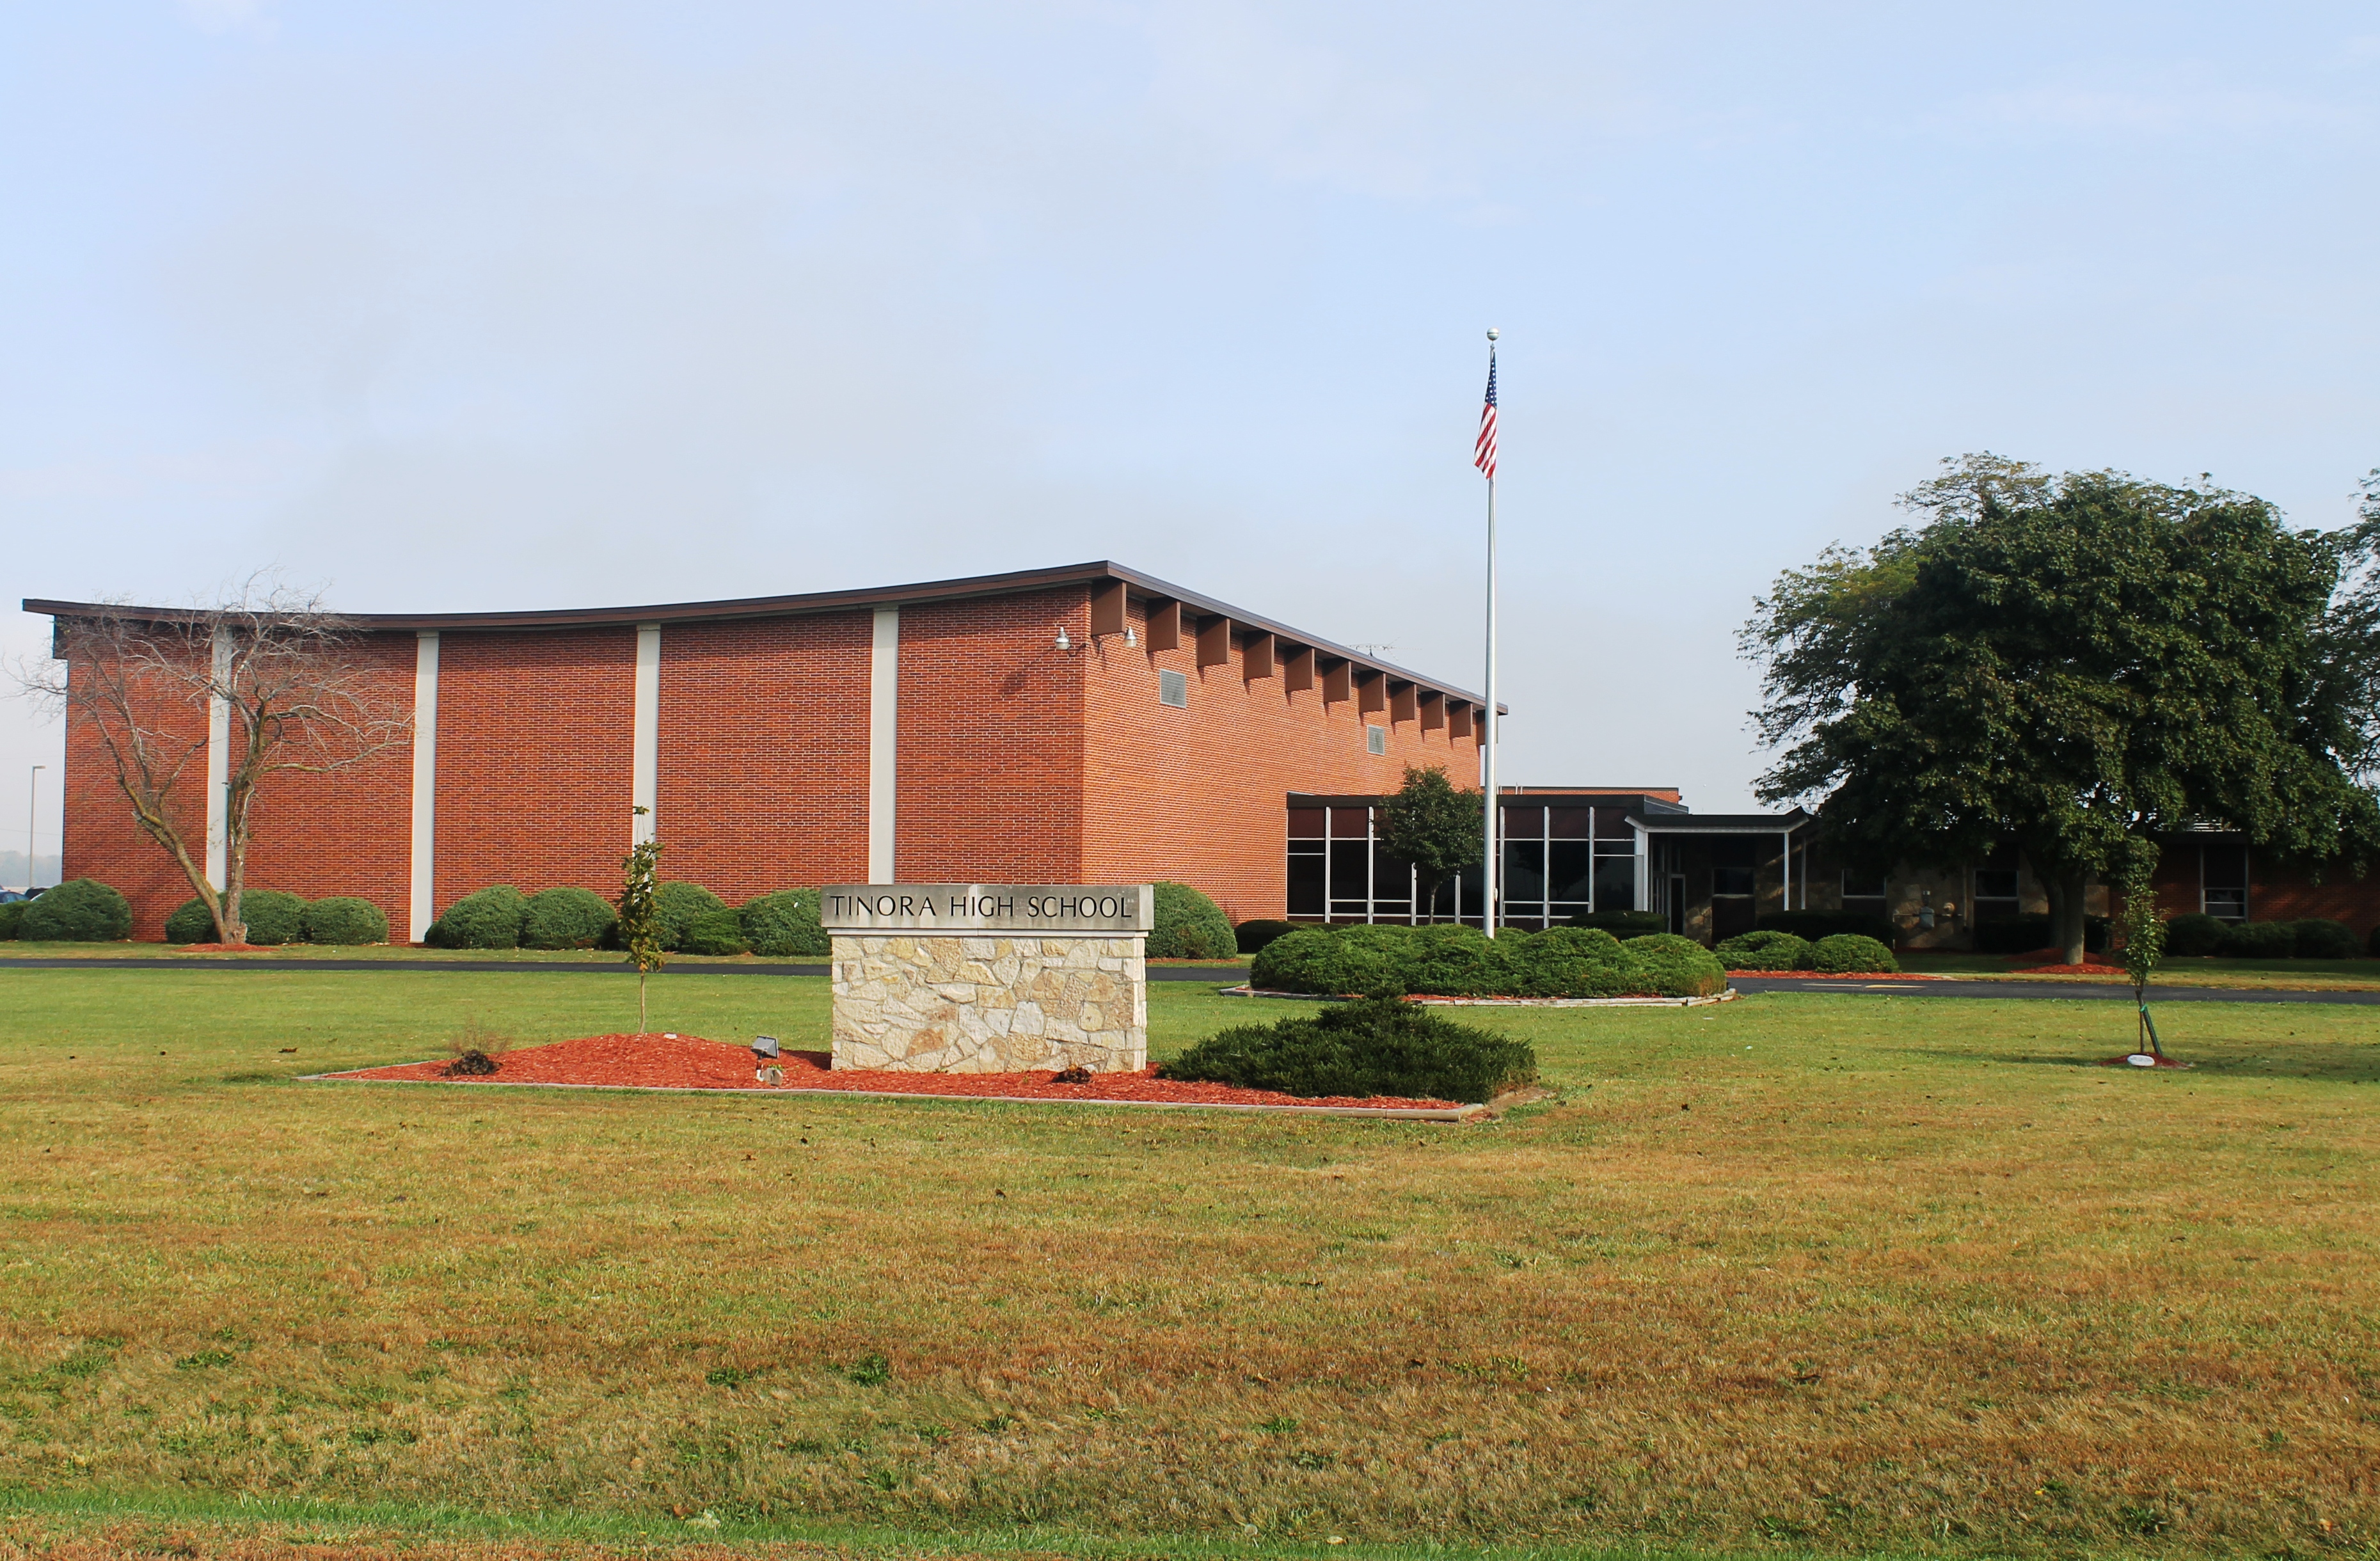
(2310, 975)
(1801, 1272)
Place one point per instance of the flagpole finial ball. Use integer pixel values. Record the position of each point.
(1493, 332)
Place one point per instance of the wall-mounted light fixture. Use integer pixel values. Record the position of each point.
(1063, 643)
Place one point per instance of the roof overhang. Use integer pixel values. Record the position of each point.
(1145, 587)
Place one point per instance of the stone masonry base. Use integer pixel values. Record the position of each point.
(990, 1004)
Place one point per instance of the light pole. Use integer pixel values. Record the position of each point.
(33, 795)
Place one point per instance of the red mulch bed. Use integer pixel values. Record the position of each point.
(691, 1062)
(2086, 968)
(225, 949)
(1840, 974)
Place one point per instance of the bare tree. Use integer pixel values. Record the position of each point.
(267, 672)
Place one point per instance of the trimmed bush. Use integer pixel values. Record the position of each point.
(273, 917)
(1253, 936)
(1811, 926)
(1623, 923)
(1767, 948)
(715, 932)
(1190, 927)
(2261, 940)
(486, 918)
(1380, 1046)
(677, 906)
(345, 921)
(190, 923)
(566, 917)
(2195, 935)
(785, 925)
(2318, 938)
(1461, 961)
(12, 921)
(1847, 953)
(2023, 935)
(82, 911)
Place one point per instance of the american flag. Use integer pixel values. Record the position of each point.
(1484, 455)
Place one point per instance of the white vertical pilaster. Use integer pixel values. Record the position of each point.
(218, 764)
(883, 742)
(422, 877)
(644, 769)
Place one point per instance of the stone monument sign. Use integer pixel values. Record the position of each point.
(989, 979)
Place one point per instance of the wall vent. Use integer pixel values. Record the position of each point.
(1376, 739)
(1173, 688)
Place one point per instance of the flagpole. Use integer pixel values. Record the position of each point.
(1492, 881)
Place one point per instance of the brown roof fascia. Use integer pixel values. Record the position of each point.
(1016, 581)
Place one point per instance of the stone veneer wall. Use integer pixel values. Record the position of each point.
(990, 1003)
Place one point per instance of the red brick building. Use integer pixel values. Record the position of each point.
(1081, 724)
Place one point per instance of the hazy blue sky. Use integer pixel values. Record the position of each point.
(515, 304)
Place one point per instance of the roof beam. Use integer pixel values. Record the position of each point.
(1165, 625)
(1256, 655)
(1214, 643)
(1297, 669)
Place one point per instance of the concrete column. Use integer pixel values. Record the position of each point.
(422, 896)
(883, 735)
(644, 782)
(218, 766)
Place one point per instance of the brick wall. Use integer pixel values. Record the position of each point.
(991, 741)
(1200, 795)
(102, 840)
(763, 754)
(535, 740)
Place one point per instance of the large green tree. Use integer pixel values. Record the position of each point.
(1434, 824)
(2067, 662)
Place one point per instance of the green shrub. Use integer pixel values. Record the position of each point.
(1767, 948)
(1461, 961)
(1190, 927)
(566, 917)
(1847, 953)
(190, 923)
(12, 921)
(486, 918)
(1379, 1046)
(82, 911)
(1811, 926)
(1623, 923)
(715, 932)
(2195, 935)
(785, 925)
(677, 906)
(2261, 940)
(1250, 936)
(345, 921)
(273, 917)
(2318, 938)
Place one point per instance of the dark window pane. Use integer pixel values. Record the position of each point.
(1391, 884)
(1525, 823)
(1731, 880)
(1611, 824)
(1994, 883)
(1305, 884)
(1570, 823)
(1349, 877)
(1863, 886)
(1306, 823)
(1351, 823)
(1567, 870)
(1615, 883)
(2226, 866)
(1524, 870)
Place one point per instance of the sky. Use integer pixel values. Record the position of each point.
(525, 304)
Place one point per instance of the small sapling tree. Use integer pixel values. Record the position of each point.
(1434, 826)
(640, 921)
(2143, 932)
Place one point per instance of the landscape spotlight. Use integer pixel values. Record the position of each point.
(764, 1047)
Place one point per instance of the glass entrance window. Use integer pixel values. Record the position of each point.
(1994, 898)
(2223, 882)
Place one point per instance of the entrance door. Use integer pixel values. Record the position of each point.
(1733, 858)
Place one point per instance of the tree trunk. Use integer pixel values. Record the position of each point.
(2065, 888)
